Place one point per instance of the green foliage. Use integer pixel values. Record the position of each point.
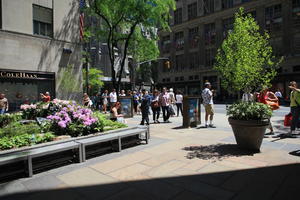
(122, 22)
(95, 82)
(245, 60)
(9, 142)
(16, 128)
(249, 111)
(9, 118)
(105, 124)
(68, 83)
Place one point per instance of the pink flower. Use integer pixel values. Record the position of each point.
(62, 124)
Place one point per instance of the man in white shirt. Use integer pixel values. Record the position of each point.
(207, 96)
(113, 97)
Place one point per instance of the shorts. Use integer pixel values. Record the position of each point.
(209, 109)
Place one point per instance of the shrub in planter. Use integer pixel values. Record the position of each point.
(9, 118)
(245, 62)
(249, 111)
(73, 120)
(15, 141)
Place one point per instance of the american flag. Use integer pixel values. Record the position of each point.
(81, 18)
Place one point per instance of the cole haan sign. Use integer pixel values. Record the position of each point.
(5, 74)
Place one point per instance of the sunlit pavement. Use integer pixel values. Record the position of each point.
(194, 163)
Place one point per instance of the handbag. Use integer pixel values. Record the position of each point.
(155, 104)
(288, 119)
(171, 110)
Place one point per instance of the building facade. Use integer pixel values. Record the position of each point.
(39, 44)
(199, 27)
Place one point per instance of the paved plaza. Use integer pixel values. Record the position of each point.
(195, 163)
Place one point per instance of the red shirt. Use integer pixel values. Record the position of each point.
(46, 99)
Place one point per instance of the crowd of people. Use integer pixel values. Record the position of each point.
(167, 102)
(164, 101)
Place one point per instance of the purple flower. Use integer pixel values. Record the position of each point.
(62, 124)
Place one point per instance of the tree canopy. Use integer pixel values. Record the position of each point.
(245, 59)
(127, 24)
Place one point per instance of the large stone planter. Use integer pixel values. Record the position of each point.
(249, 134)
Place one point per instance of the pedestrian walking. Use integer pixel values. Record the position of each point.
(269, 98)
(105, 101)
(113, 97)
(3, 104)
(135, 101)
(145, 104)
(155, 106)
(164, 100)
(295, 105)
(179, 100)
(207, 96)
(172, 102)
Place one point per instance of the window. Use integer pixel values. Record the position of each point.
(208, 6)
(193, 37)
(273, 18)
(166, 44)
(179, 41)
(296, 12)
(192, 11)
(178, 16)
(181, 78)
(227, 26)
(194, 60)
(179, 62)
(209, 34)
(42, 21)
(209, 57)
(227, 4)
(296, 68)
(191, 78)
(176, 78)
(196, 77)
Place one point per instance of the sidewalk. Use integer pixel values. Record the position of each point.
(176, 164)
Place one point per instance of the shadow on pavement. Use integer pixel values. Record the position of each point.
(216, 151)
(276, 183)
(295, 153)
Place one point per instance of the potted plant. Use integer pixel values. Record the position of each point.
(249, 121)
(246, 63)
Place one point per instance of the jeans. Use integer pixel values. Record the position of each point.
(2, 111)
(179, 107)
(166, 113)
(145, 115)
(156, 112)
(295, 113)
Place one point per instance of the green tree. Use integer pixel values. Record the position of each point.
(94, 78)
(123, 20)
(245, 59)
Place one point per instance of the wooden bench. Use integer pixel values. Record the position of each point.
(112, 136)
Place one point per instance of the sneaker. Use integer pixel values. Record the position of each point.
(157, 121)
(211, 126)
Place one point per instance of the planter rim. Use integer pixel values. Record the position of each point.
(263, 122)
(8, 151)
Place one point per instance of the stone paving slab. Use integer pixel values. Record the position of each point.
(177, 164)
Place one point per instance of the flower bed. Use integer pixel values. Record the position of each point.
(60, 117)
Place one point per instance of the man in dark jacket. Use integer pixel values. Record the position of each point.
(145, 104)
